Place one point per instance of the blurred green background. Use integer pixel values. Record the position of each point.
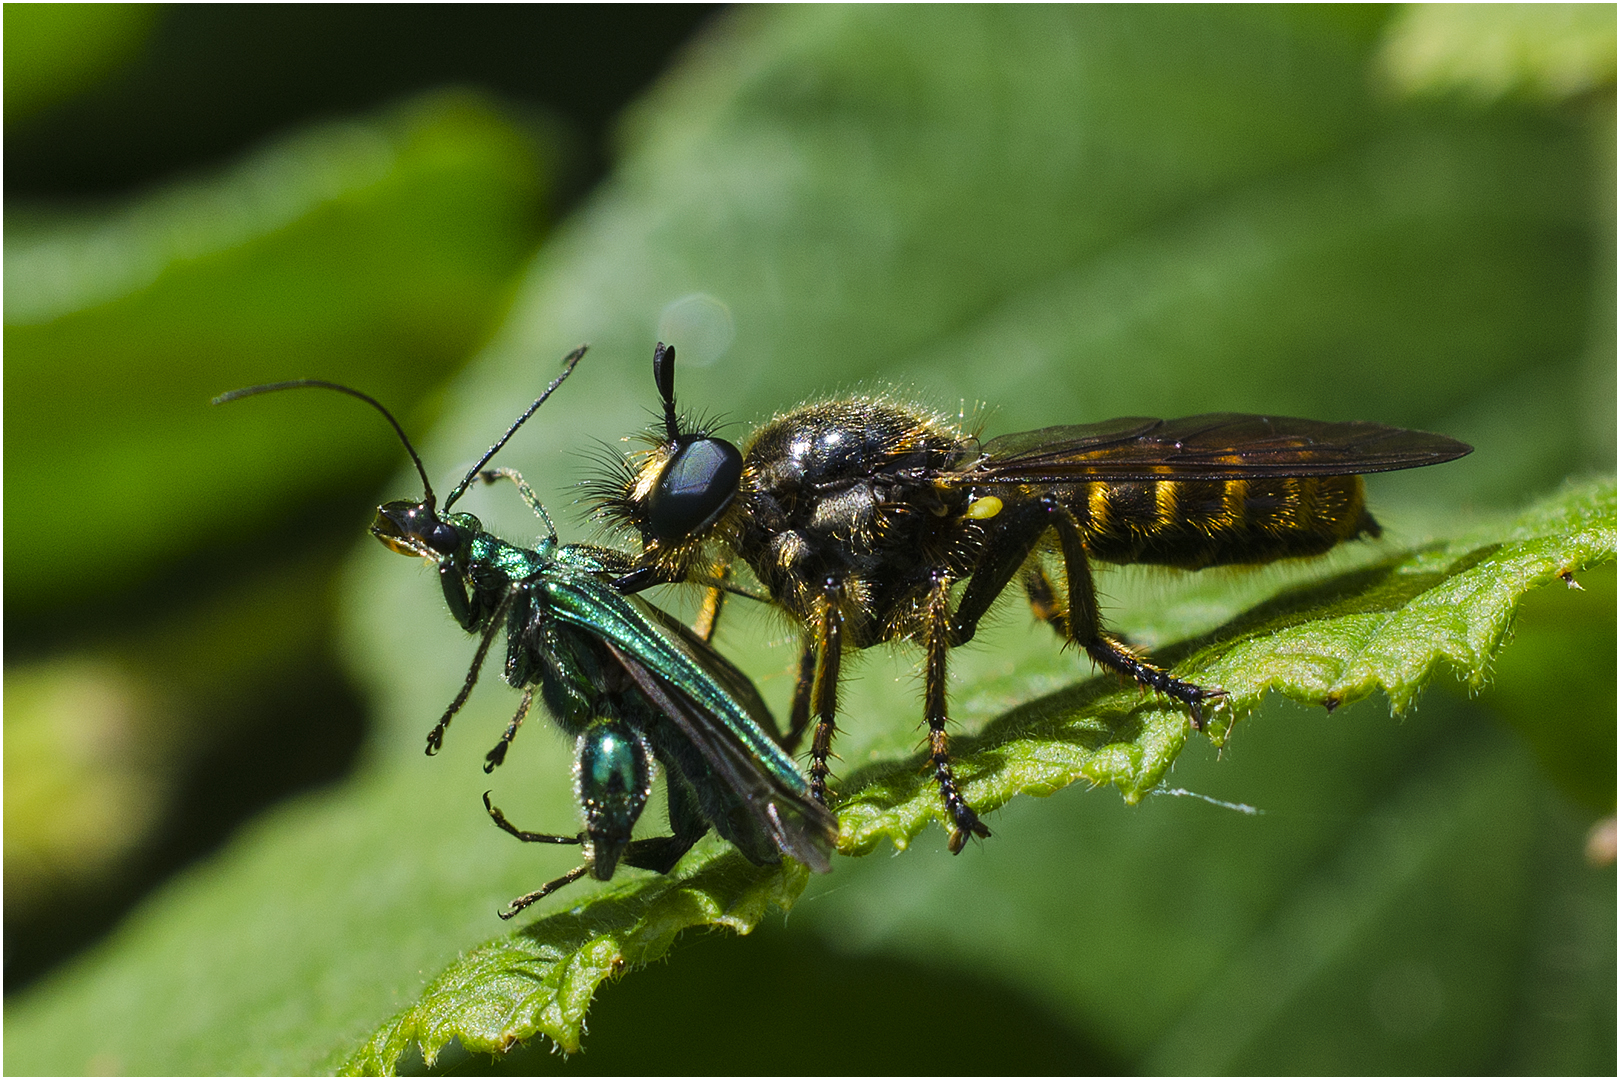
(1400, 214)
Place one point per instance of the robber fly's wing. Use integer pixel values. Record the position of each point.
(1041, 442)
(1213, 446)
(798, 825)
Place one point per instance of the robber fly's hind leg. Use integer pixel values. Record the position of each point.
(1085, 627)
(1046, 601)
(936, 643)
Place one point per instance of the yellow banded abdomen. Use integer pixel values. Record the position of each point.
(1196, 523)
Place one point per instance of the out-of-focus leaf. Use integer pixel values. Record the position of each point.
(80, 784)
(1068, 213)
(1554, 689)
(370, 251)
(100, 741)
(1489, 51)
(56, 50)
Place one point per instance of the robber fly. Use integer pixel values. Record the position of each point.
(626, 679)
(860, 515)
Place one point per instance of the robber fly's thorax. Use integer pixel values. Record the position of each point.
(843, 489)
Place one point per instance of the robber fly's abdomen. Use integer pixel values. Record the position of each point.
(1197, 523)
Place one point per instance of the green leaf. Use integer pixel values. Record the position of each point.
(54, 51)
(540, 980)
(1387, 627)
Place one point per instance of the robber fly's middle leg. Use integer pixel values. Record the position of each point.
(1010, 539)
(937, 636)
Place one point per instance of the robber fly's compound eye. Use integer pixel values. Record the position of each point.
(698, 484)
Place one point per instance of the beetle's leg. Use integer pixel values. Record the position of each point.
(498, 754)
(490, 476)
(799, 716)
(534, 838)
(1085, 626)
(499, 818)
(517, 906)
(829, 647)
(936, 643)
(656, 853)
(497, 619)
(454, 586)
(660, 853)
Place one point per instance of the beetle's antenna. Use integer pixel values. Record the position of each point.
(569, 363)
(664, 376)
(321, 384)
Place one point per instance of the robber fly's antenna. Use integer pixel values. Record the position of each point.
(321, 384)
(569, 362)
(664, 376)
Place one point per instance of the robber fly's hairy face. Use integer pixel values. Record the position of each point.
(677, 492)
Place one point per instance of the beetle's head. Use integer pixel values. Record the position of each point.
(415, 528)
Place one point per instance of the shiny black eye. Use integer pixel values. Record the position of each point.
(698, 483)
(442, 537)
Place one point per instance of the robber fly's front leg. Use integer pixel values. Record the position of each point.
(804, 685)
(829, 649)
(714, 601)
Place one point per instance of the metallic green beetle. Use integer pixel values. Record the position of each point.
(626, 679)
